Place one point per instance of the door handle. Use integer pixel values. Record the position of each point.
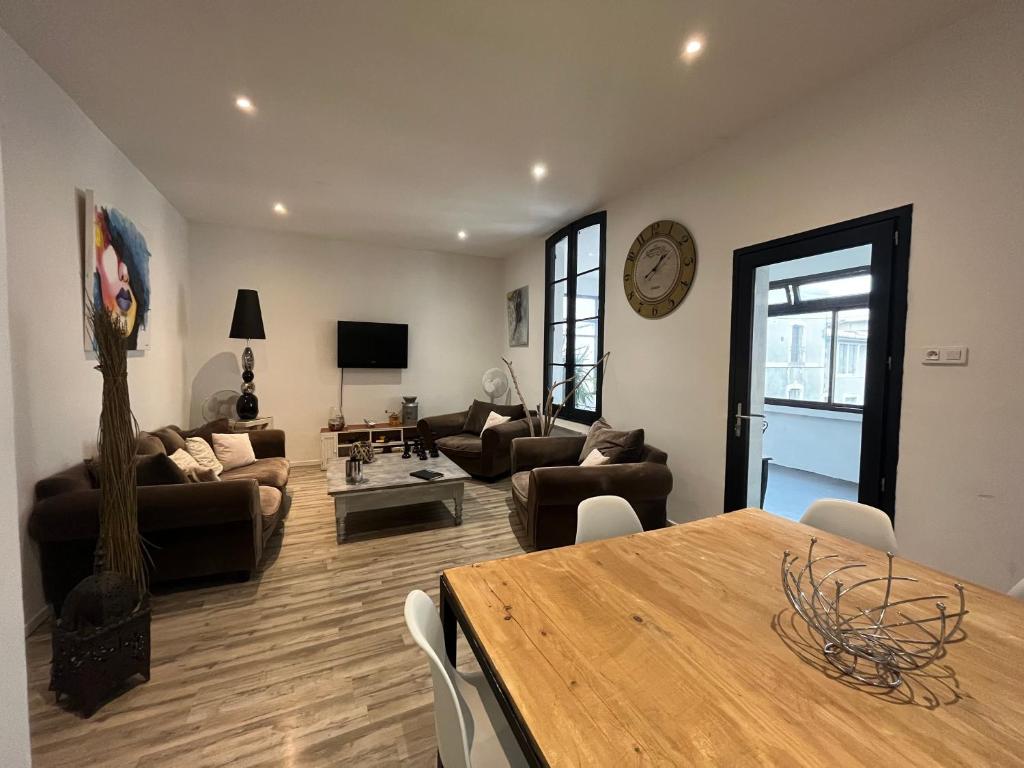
(737, 426)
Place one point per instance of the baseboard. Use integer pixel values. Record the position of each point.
(37, 620)
(305, 463)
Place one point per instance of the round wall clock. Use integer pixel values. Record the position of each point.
(659, 268)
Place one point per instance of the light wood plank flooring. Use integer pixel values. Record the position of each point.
(307, 665)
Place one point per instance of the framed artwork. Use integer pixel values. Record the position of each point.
(116, 272)
(517, 303)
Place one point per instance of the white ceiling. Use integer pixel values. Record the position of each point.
(404, 121)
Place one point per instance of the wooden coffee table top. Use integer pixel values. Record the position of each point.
(390, 470)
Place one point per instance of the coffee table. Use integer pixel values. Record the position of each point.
(387, 483)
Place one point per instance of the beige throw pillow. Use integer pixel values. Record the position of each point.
(234, 450)
(494, 420)
(201, 451)
(595, 459)
(184, 460)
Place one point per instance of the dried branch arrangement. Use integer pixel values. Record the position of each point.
(549, 413)
(878, 644)
(119, 547)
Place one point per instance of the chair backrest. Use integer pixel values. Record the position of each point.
(450, 721)
(859, 522)
(1017, 590)
(602, 517)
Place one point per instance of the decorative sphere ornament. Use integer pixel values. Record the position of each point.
(247, 406)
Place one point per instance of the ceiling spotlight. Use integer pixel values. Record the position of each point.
(692, 48)
(539, 171)
(280, 209)
(461, 234)
(244, 103)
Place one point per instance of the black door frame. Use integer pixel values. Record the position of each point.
(889, 234)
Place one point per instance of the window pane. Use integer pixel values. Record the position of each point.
(829, 289)
(798, 353)
(585, 396)
(851, 356)
(586, 343)
(778, 296)
(556, 373)
(588, 248)
(588, 288)
(561, 259)
(559, 299)
(556, 342)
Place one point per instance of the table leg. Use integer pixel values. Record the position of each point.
(339, 517)
(458, 503)
(448, 622)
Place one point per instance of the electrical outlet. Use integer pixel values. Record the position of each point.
(951, 355)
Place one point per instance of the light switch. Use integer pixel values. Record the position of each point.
(951, 355)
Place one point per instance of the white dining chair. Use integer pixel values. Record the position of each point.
(1017, 590)
(471, 729)
(859, 522)
(602, 517)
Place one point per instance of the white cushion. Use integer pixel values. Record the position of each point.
(494, 420)
(184, 460)
(595, 459)
(234, 450)
(201, 451)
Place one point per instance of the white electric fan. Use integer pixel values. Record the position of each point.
(220, 405)
(495, 384)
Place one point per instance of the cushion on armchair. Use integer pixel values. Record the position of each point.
(476, 419)
(620, 447)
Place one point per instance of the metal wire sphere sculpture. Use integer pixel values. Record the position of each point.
(868, 644)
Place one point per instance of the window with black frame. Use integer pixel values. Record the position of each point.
(573, 316)
(816, 345)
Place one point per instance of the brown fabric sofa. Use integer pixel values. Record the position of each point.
(191, 529)
(488, 456)
(548, 484)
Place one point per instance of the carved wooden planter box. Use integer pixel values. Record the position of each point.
(89, 666)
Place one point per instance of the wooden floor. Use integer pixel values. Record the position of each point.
(307, 665)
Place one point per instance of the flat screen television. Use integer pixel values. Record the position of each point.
(373, 345)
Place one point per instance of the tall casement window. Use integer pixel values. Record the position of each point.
(816, 354)
(574, 315)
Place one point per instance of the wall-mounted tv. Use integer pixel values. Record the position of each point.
(373, 345)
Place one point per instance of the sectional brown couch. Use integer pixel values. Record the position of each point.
(191, 529)
(457, 436)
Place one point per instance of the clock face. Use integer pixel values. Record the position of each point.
(659, 269)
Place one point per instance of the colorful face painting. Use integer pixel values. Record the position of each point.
(119, 274)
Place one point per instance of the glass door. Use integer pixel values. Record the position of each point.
(814, 390)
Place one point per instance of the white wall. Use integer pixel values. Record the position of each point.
(939, 126)
(50, 149)
(306, 285)
(14, 735)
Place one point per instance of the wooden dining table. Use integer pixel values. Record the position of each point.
(679, 647)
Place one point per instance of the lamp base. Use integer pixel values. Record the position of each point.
(247, 406)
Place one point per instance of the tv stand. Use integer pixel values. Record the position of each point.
(384, 438)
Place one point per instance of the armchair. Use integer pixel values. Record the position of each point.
(548, 485)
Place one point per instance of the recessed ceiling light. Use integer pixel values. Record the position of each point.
(244, 103)
(539, 171)
(280, 209)
(462, 234)
(692, 48)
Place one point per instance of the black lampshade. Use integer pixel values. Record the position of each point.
(247, 322)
